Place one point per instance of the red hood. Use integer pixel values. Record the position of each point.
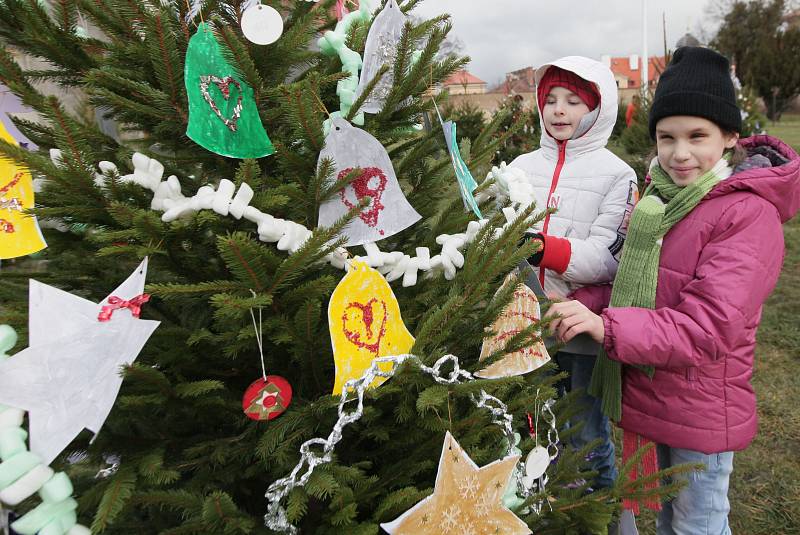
(779, 184)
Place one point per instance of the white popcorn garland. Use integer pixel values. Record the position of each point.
(276, 518)
(509, 183)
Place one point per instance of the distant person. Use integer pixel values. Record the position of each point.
(630, 112)
(703, 252)
(591, 190)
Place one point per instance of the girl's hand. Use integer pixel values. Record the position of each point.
(571, 318)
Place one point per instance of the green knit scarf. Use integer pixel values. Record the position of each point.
(637, 277)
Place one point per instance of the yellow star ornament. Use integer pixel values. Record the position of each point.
(465, 500)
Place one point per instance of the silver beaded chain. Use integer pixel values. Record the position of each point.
(276, 518)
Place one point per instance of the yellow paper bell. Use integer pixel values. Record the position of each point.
(365, 323)
(19, 233)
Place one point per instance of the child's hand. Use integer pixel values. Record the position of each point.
(571, 318)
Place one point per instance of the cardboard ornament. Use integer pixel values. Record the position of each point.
(223, 117)
(19, 232)
(466, 499)
(521, 312)
(389, 211)
(365, 323)
(381, 49)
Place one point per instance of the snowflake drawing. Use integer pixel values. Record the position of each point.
(450, 519)
(468, 487)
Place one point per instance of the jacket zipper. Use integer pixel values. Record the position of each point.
(562, 154)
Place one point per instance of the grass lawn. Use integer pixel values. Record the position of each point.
(787, 129)
(765, 486)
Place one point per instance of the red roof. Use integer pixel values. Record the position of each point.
(462, 78)
(622, 66)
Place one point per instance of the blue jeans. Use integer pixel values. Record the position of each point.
(595, 424)
(701, 507)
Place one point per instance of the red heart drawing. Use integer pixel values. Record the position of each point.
(372, 340)
(362, 188)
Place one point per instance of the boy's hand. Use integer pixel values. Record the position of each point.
(536, 258)
(571, 318)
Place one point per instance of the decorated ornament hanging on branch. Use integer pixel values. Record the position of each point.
(223, 117)
(69, 376)
(365, 323)
(466, 499)
(261, 24)
(381, 49)
(268, 397)
(520, 313)
(466, 183)
(19, 232)
(389, 211)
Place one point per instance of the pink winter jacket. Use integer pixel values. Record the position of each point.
(718, 265)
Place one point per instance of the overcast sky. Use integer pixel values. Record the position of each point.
(505, 35)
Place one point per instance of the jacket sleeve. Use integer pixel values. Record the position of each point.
(718, 308)
(596, 298)
(595, 259)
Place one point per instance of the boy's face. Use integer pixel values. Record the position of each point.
(689, 146)
(562, 113)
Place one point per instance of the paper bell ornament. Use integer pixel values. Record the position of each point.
(381, 49)
(465, 499)
(19, 232)
(365, 323)
(520, 313)
(389, 211)
(223, 117)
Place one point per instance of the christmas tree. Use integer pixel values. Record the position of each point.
(189, 458)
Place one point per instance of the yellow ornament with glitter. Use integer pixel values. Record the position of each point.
(19, 232)
(365, 323)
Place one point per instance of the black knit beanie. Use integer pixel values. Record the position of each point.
(697, 82)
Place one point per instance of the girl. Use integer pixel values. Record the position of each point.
(704, 250)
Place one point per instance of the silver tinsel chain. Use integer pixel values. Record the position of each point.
(276, 519)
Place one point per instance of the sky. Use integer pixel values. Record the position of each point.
(505, 35)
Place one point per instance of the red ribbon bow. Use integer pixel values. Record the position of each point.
(115, 303)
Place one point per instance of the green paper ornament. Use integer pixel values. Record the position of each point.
(222, 112)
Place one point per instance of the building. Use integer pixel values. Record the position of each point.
(628, 73)
(464, 83)
(518, 82)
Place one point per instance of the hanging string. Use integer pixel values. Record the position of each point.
(259, 336)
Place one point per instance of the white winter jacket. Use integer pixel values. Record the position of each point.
(594, 191)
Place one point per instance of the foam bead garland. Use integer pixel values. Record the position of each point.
(22, 473)
(290, 236)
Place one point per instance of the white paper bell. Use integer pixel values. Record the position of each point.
(389, 212)
(381, 49)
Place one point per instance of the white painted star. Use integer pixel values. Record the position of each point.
(69, 376)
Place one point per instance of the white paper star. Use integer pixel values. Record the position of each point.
(69, 376)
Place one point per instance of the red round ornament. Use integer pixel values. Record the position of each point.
(265, 400)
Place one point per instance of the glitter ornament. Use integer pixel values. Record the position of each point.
(223, 117)
(465, 499)
(365, 323)
(381, 49)
(389, 211)
(262, 24)
(266, 399)
(19, 232)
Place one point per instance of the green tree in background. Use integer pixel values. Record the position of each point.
(191, 461)
(765, 50)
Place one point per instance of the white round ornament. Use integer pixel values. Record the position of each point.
(536, 464)
(262, 24)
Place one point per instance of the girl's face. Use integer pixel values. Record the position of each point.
(562, 113)
(689, 146)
